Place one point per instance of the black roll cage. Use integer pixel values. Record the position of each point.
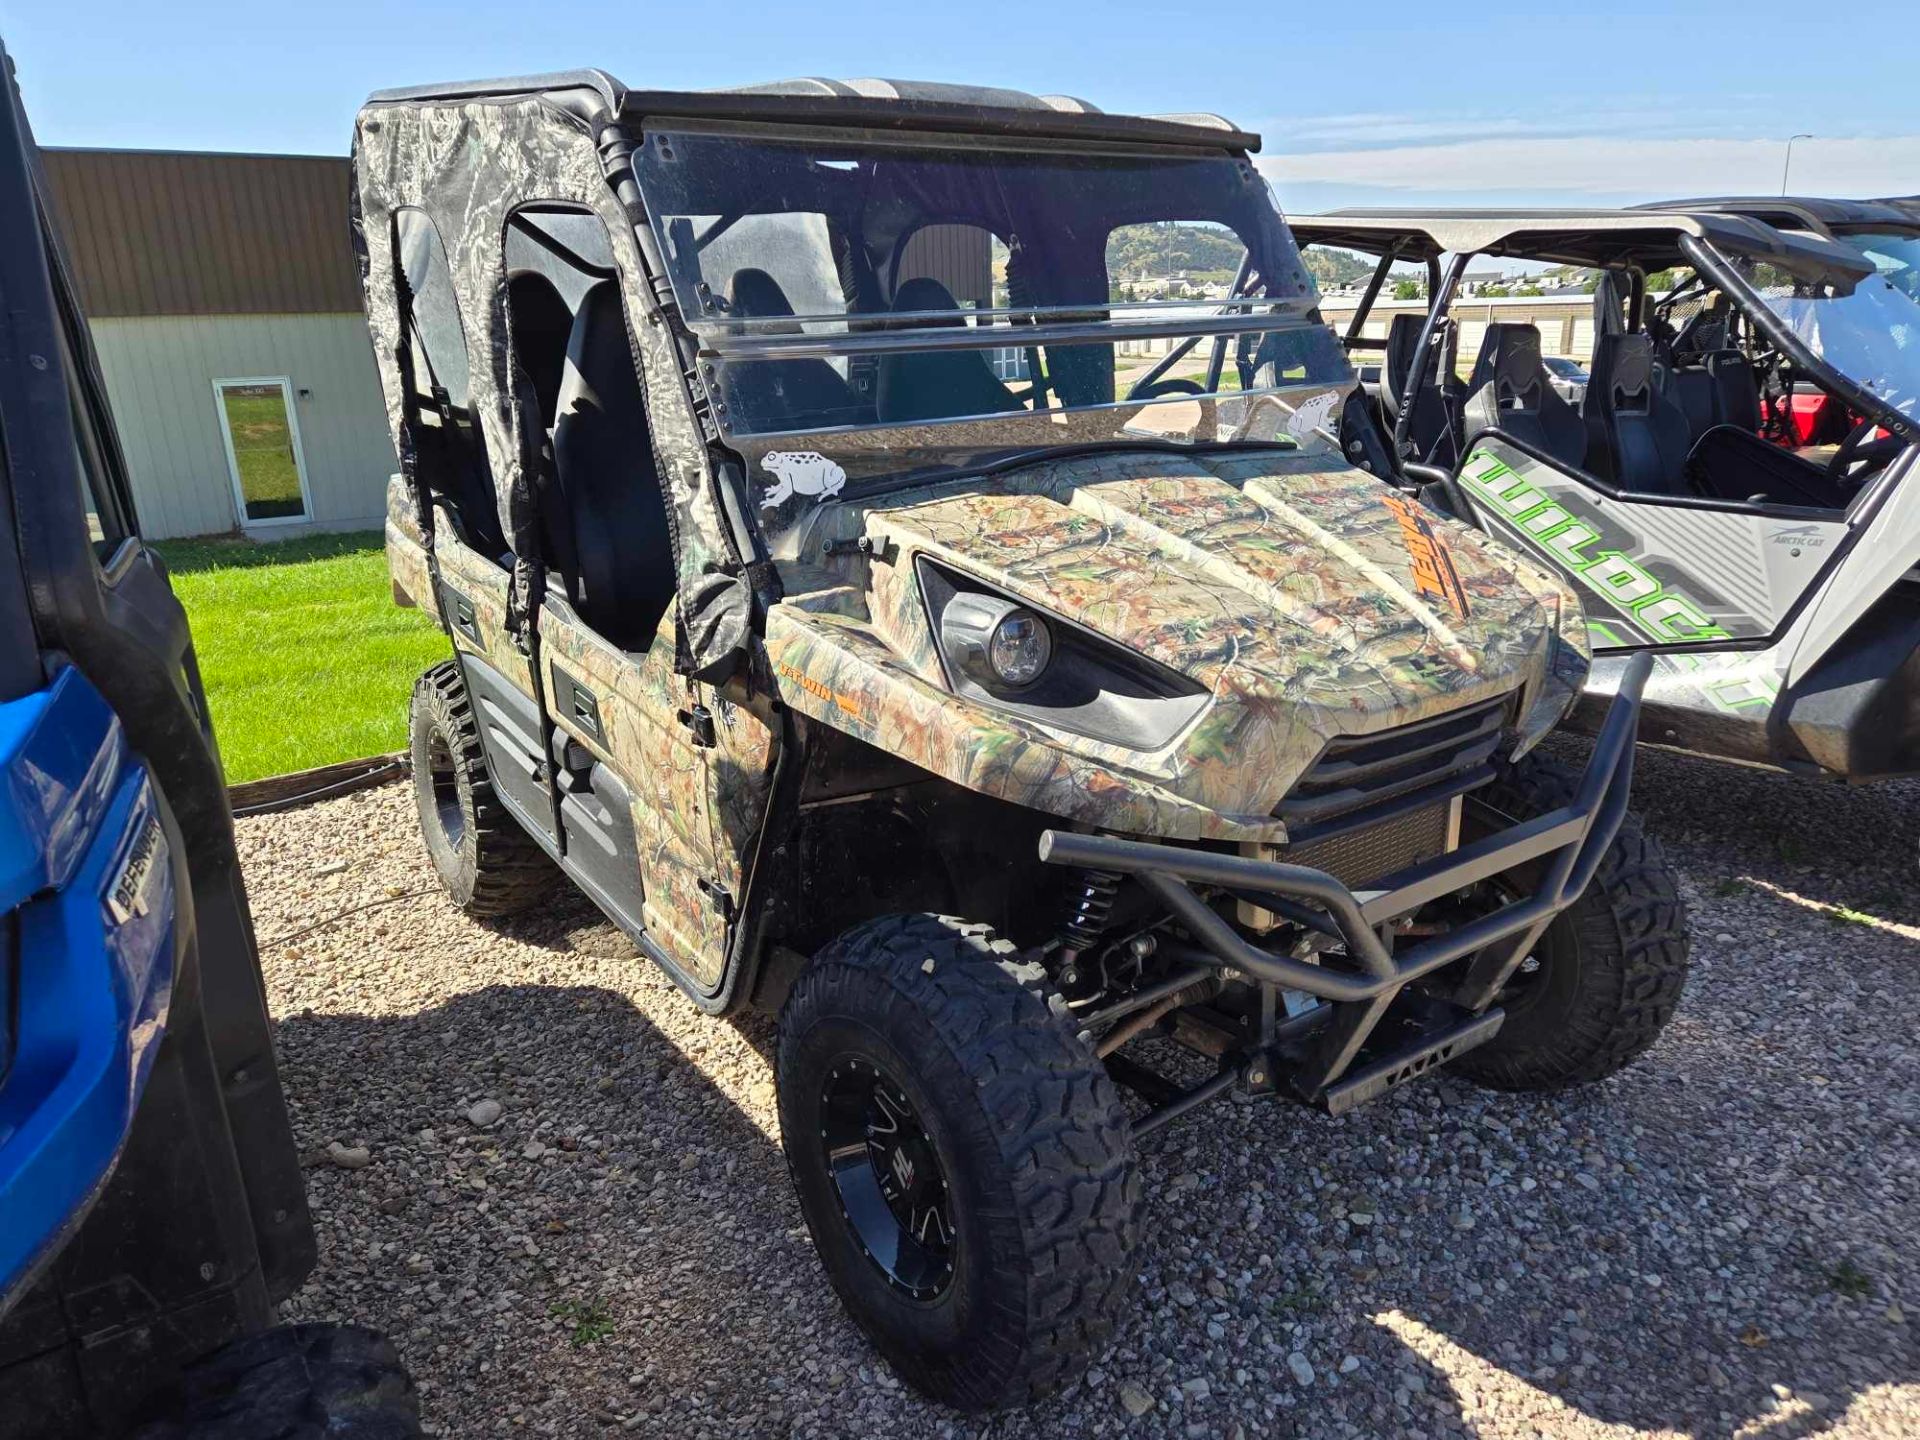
(1706, 260)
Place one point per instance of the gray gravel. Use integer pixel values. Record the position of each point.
(559, 1188)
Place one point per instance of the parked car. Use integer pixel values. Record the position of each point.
(1566, 377)
(974, 726)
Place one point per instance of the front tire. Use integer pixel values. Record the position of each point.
(921, 1041)
(490, 866)
(1606, 975)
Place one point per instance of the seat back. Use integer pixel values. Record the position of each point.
(1512, 391)
(1430, 427)
(936, 384)
(785, 394)
(606, 496)
(1637, 434)
(1736, 392)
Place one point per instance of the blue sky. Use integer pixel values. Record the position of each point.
(1359, 104)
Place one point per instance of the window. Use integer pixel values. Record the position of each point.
(603, 527)
(263, 449)
(450, 459)
(1190, 260)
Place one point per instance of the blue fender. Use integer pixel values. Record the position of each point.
(87, 957)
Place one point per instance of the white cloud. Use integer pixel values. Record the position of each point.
(1600, 166)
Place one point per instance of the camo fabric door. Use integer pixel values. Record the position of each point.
(644, 726)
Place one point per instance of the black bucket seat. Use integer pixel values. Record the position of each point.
(798, 394)
(1430, 427)
(936, 384)
(1513, 392)
(605, 516)
(1637, 434)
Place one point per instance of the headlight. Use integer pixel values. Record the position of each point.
(1020, 648)
(996, 641)
(997, 651)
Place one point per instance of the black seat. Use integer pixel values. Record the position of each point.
(784, 394)
(1736, 393)
(604, 514)
(937, 384)
(1713, 389)
(1430, 427)
(1637, 434)
(1513, 392)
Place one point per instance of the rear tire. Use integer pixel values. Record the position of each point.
(297, 1382)
(489, 864)
(1013, 1293)
(1611, 966)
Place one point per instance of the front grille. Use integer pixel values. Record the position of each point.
(1360, 856)
(1361, 780)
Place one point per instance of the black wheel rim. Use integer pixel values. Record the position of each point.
(1546, 969)
(446, 790)
(892, 1188)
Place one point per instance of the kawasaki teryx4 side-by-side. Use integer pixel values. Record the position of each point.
(1733, 491)
(852, 588)
(151, 1205)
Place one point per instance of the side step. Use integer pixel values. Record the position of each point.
(1376, 1077)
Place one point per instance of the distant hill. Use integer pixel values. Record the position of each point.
(1332, 268)
(1164, 248)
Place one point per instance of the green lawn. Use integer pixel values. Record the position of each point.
(305, 656)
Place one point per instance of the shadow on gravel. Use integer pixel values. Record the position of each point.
(621, 1199)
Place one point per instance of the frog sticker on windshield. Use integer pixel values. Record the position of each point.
(801, 472)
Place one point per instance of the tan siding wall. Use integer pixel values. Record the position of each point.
(960, 257)
(1565, 322)
(160, 373)
(168, 233)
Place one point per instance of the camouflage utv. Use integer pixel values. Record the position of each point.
(901, 558)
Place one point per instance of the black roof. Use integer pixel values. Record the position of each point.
(1590, 237)
(1822, 214)
(868, 104)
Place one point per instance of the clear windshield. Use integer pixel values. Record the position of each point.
(1869, 332)
(840, 283)
(1895, 254)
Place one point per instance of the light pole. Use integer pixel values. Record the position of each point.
(1787, 164)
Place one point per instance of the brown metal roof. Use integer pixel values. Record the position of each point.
(181, 233)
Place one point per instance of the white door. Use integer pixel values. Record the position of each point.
(262, 438)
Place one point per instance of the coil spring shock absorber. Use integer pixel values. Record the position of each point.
(1092, 910)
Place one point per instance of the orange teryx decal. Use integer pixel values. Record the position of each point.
(824, 692)
(1433, 572)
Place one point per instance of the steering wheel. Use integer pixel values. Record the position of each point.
(1858, 449)
(1144, 391)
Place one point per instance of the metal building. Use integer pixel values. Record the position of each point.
(225, 307)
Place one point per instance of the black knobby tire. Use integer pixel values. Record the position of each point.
(1610, 967)
(489, 864)
(297, 1382)
(1029, 1131)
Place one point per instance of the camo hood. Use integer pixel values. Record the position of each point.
(1307, 601)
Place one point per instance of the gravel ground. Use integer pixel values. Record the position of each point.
(559, 1188)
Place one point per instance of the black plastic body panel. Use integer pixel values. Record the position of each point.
(510, 728)
(597, 811)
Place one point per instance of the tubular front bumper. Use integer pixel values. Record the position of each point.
(1570, 841)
